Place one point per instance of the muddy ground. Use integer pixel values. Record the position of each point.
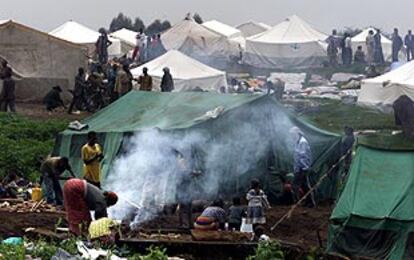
(14, 224)
(38, 111)
(300, 229)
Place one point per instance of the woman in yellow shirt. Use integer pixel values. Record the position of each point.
(92, 156)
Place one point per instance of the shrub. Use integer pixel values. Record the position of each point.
(23, 141)
(268, 250)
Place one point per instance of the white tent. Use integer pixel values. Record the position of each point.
(199, 42)
(78, 33)
(252, 28)
(186, 72)
(382, 91)
(126, 35)
(290, 44)
(360, 40)
(227, 31)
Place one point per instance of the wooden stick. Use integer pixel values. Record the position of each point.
(132, 203)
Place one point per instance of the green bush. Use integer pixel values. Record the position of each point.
(153, 253)
(24, 141)
(12, 252)
(268, 250)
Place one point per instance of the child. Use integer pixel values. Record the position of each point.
(236, 213)
(257, 202)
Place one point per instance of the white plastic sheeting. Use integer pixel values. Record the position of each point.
(227, 31)
(78, 33)
(252, 28)
(386, 89)
(199, 42)
(187, 73)
(126, 35)
(291, 44)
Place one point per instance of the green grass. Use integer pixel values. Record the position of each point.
(333, 115)
(23, 141)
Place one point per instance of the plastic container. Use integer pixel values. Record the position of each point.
(37, 194)
(246, 228)
(13, 241)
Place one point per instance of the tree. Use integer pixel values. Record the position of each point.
(165, 25)
(138, 24)
(157, 27)
(121, 21)
(197, 18)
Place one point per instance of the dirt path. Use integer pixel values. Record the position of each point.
(38, 111)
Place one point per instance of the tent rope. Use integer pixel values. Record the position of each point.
(321, 179)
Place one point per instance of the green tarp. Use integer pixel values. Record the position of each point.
(232, 120)
(374, 216)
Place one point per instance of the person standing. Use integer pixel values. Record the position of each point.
(236, 214)
(139, 46)
(4, 68)
(129, 77)
(347, 50)
(102, 45)
(409, 44)
(92, 156)
(378, 53)
(302, 158)
(333, 45)
(52, 169)
(122, 82)
(8, 96)
(397, 44)
(370, 43)
(112, 71)
(257, 203)
(167, 82)
(185, 175)
(145, 80)
(79, 89)
(347, 146)
(80, 198)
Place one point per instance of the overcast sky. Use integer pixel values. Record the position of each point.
(323, 14)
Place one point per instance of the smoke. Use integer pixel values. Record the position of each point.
(225, 149)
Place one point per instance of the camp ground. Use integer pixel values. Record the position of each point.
(254, 131)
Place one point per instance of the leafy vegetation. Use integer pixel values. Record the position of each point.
(333, 115)
(24, 141)
(153, 253)
(268, 250)
(37, 249)
(12, 252)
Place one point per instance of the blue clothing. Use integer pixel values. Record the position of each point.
(302, 155)
(216, 213)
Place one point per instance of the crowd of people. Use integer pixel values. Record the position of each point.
(373, 45)
(109, 80)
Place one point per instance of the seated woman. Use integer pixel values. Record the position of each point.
(212, 218)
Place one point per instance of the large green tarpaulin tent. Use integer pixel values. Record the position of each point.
(374, 216)
(220, 118)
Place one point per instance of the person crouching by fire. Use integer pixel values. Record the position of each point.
(81, 197)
